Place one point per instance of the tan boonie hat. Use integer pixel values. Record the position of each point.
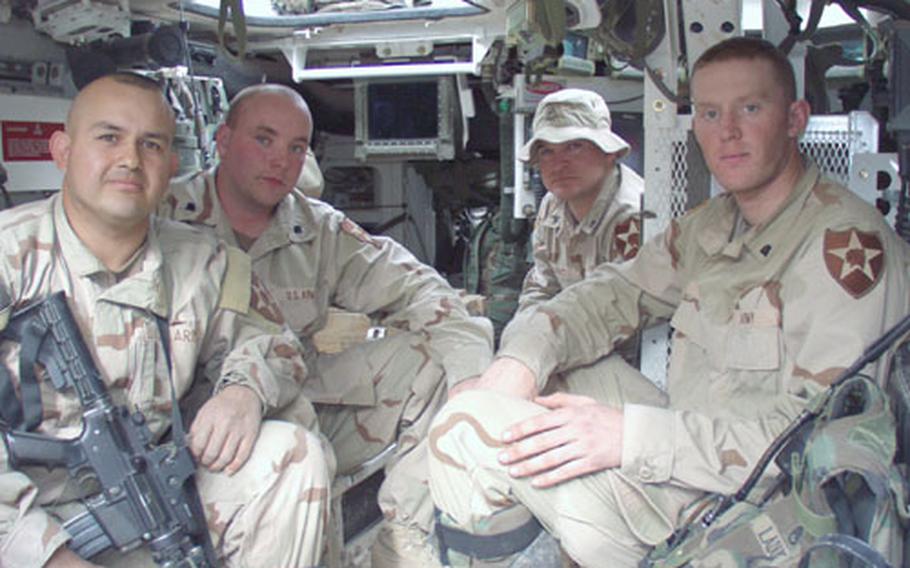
(572, 114)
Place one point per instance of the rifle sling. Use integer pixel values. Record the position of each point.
(10, 408)
(26, 414)
(177, 432)
(29, 413)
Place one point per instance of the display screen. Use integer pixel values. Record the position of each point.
(403, 110)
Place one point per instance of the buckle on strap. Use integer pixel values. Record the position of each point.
(484, 547)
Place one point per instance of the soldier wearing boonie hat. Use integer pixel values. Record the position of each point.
(573, 114)
(590, 214)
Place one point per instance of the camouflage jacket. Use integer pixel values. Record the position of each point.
(565, 251)
(200, 287)
(763, 319)
(312, 257)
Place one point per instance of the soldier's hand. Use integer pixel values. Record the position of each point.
(505, 375)
(225, 429)
(577, 437)
(66, 558)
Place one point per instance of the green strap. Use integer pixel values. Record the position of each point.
(236, 285)
(898, 489)
(817, 525)
(553, 24)
(238, 20)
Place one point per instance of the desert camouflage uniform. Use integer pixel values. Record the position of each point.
(312, 257)
(764, 318)
(205, 292)
(566, 251)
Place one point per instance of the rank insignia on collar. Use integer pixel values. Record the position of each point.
(855, 259)
(627, 239)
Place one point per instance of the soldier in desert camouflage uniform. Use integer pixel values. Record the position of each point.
(263, 484)
(772, 288)
(311, 257)
(590, 213)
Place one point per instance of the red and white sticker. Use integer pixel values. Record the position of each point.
(27, 141)
(544, 87)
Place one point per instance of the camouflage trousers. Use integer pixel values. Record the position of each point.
(395, 391)
(602, 519)
(272, 512)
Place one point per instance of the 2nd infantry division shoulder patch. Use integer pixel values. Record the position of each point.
(627, 238)
(855, 259)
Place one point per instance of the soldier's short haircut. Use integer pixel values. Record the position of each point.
(133, 80)
(752, 48)
(245, 95)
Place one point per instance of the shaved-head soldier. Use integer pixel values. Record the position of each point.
(160, 306)
(312, 257)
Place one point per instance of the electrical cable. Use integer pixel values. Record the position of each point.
(7, 200)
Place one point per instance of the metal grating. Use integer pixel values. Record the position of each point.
(679, 171)
(665, 190)
(833, 141)
(666, 198)
(831, 150)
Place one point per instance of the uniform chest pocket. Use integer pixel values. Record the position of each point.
(754, 339)
(300, 307)
(749, 341)
(753, 347)
(569, 264)
(150, 388)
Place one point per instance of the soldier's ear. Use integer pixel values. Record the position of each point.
(59, 146)
(175, 163)
(798, 118)
(222, 138)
